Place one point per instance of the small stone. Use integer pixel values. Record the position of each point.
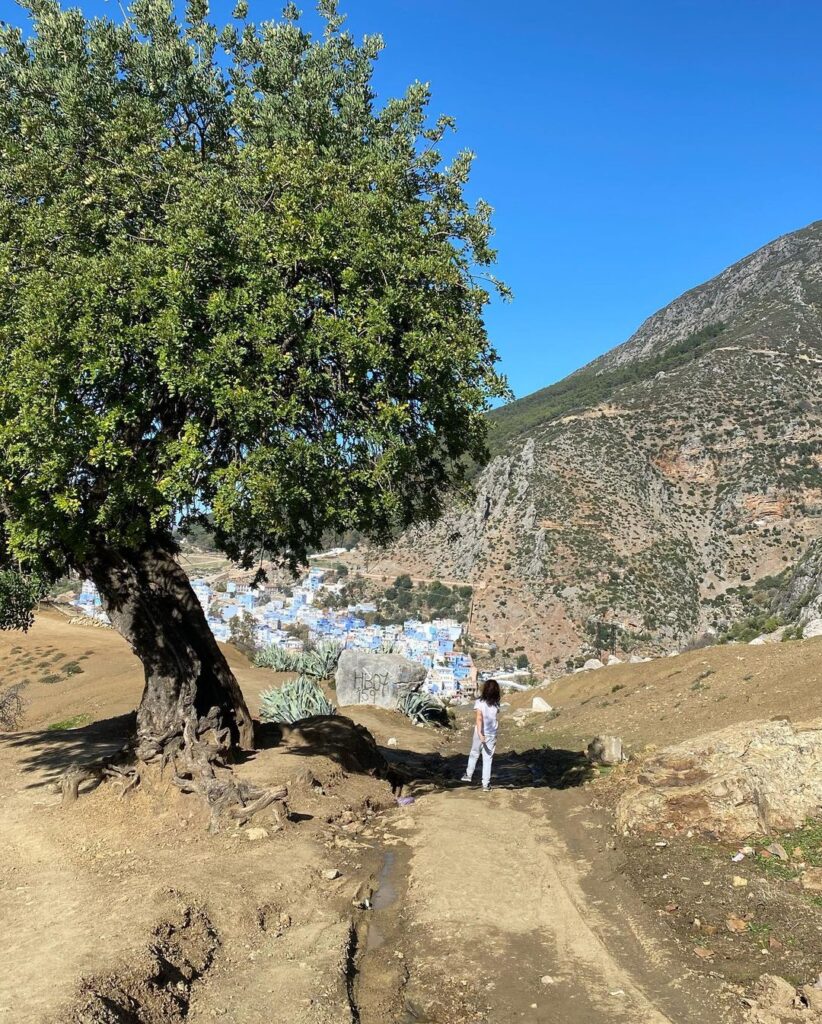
(606, 750)
(253, 834)
(330, 874)
(538, 704)
(812, 879)
(777, 850)
(739, 882)
(546, 979)
(392, 741)
(703, 952)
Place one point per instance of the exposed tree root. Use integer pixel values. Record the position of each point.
(197, 767)
(117, 767)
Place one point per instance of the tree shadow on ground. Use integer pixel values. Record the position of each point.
(353, 747)
(51, 751)
(536, 768)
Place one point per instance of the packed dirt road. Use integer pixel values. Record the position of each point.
(459, 908)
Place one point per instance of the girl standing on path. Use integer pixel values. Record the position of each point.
(485, 733)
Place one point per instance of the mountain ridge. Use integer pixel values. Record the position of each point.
(650, 485)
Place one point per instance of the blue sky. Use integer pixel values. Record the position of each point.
(630, 150)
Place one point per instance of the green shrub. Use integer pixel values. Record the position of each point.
(421, 708)
(294, 701)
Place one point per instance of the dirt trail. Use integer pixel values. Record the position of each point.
(503, 901)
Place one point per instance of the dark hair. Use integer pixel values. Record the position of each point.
(490, 692)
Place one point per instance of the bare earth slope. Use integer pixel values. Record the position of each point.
(479, 897)
(648, 486)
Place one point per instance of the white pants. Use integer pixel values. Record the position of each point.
(487, 750)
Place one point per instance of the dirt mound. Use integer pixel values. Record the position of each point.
(776, 1001)
(336, 737)
(731, 783)
(156, 989)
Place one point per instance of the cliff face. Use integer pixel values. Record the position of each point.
(646, 487)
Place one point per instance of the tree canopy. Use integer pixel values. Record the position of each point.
(234, 290)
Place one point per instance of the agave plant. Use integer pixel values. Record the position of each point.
(301, 698)
(322, 660)
(421, 708)
(279, 659)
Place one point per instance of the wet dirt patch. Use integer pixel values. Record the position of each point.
(377, 994)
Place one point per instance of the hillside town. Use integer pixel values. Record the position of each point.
(273, 617)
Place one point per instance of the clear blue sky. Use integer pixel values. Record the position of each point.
(630, 150)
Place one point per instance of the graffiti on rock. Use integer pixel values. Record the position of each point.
(371, 687)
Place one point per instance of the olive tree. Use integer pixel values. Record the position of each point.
(235, 291)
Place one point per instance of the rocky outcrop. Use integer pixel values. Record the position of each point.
(800, 601)
(745, 779)
(378, 679)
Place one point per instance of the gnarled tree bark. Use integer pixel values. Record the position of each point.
(190, 693)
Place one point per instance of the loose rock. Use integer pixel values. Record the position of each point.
(606, 750)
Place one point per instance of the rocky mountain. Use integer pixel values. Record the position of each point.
(654, 486)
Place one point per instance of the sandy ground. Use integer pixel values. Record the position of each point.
(667, 700)
(461, 908)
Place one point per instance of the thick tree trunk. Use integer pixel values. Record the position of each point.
(190, 690)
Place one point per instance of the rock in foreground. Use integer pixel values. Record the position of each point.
(379, 679)
(754, 777)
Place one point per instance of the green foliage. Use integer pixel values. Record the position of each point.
(294, 701)
(19, 594)
(321, 661)
(750, 627)
(241, 631)
(318, 663)
(589, 387)
(236, 295)
(75, 722)
(423, 601)
(421, 708)
(279, 659)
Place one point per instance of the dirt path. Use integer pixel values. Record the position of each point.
(515, 907)
(530, 929)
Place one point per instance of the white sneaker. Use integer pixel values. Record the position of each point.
(486, 789)
(465, 778)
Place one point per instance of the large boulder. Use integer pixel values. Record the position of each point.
(379, 679)
(745, 779)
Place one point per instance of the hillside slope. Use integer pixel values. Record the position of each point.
(650, 485)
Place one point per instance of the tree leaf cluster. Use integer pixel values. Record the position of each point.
(235, 291)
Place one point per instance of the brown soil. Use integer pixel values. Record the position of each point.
(662, 702)
(740, 930)
(460, 908)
